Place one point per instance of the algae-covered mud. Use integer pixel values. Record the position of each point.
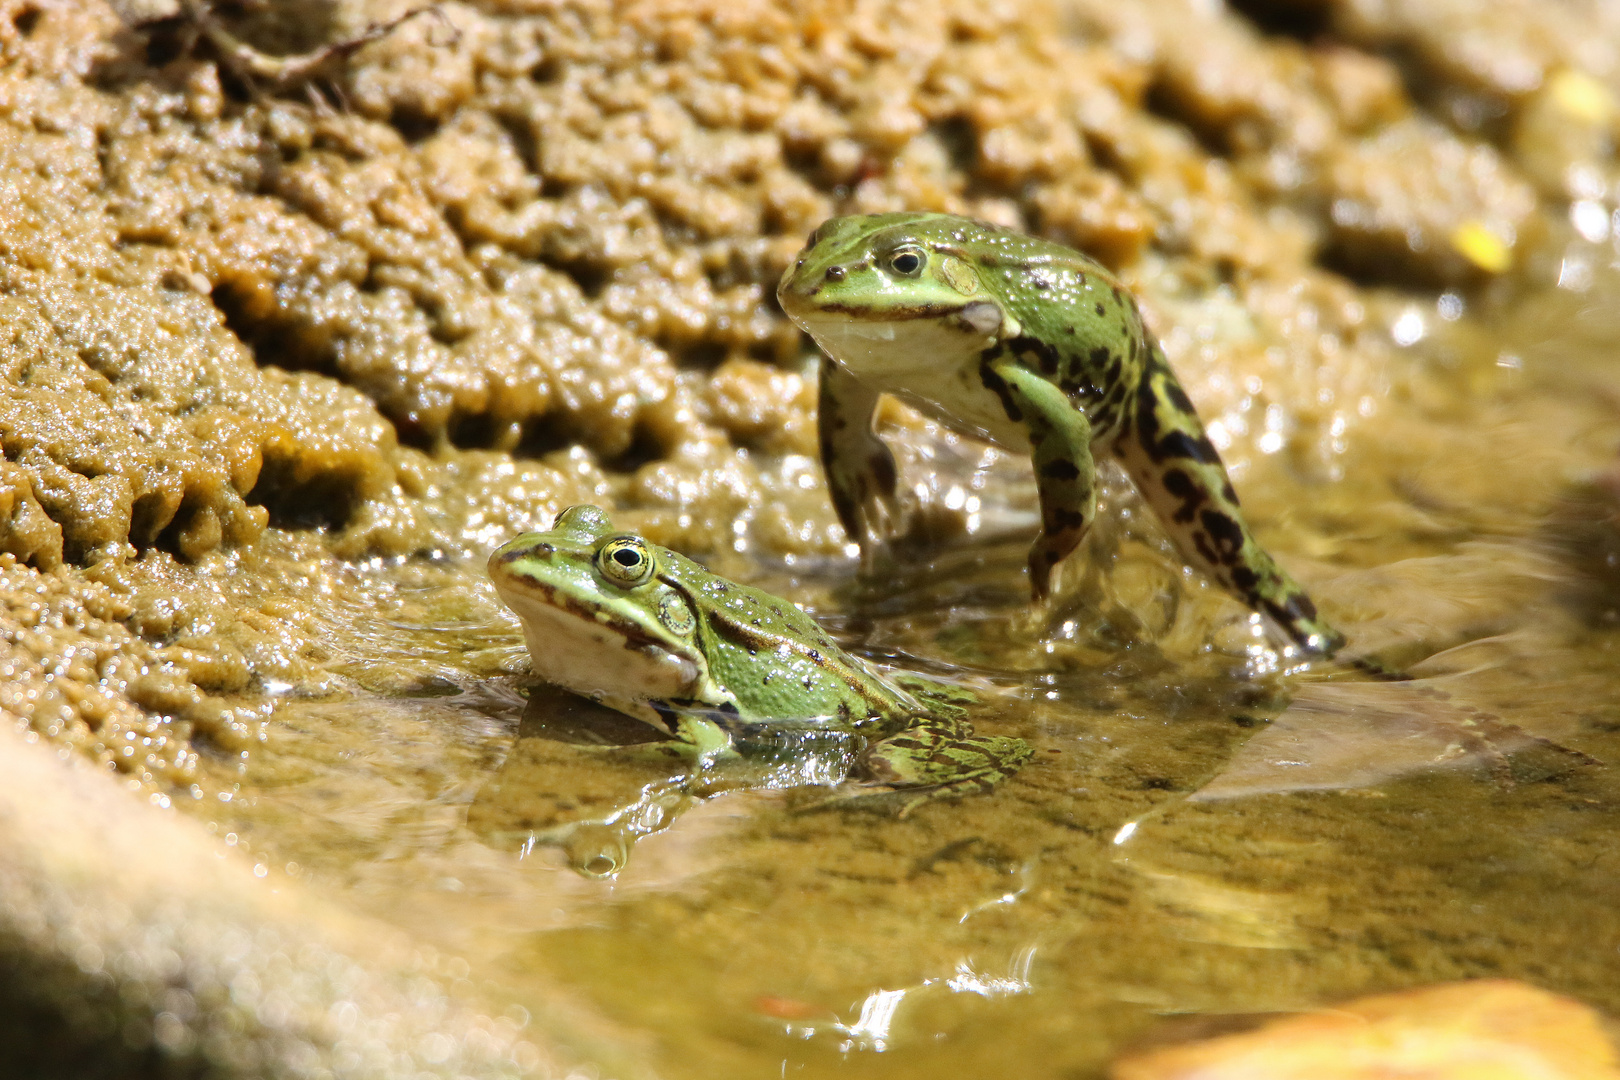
(284, 361)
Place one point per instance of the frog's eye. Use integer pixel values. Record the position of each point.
(625, 561)
(907, 262)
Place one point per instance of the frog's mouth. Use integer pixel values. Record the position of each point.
(601, 655)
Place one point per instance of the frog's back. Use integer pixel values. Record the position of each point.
(778, 662)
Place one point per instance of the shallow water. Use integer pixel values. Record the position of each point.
(1206, 831)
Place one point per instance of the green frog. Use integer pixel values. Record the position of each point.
(712, 663)
(1033, 347)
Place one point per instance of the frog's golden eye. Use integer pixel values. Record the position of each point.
(907, 262)
(625, 560)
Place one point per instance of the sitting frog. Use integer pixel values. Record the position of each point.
(710, 662)
(1030, 346)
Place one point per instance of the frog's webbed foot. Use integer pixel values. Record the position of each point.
(937, 761)
(861, 474)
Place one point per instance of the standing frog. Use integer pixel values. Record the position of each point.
(654, 635)
(1035, 348)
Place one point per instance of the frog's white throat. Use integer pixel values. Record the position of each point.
(596, 660)
(881, 350)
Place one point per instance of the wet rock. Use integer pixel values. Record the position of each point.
(1498, 1028)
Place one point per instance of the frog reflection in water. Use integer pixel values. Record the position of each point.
(1035, 348)
(711, 662)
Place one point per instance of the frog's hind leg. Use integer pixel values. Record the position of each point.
(941, 760)
(1060, 445)
(860, 469)
(1175, 466)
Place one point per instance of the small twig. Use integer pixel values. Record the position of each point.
(282, 72)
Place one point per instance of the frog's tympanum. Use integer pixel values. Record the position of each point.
(653, 634)
(1032, 347)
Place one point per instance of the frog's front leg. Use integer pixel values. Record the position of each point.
(698, 730)
(1060, 443)
(860, 469)
(1176, 468)
(940, 759)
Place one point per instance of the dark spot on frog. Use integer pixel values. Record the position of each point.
(1060, 469)
(1099, 309)
(1201, 544)
(998, 386)
(1065, 521)
(1246, 721)
(1297, 606)
(1182, 487)
(1244, 578)
(1179, 444)
(1226, 533)
(1046, 356)
(666, 715)
(1173, 393)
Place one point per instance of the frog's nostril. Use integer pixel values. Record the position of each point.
(835, 273)
(799, 265)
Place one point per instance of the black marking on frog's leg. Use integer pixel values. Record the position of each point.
(1180, 485)
(1060, 444)
(1179, 472)
(997, 385)
(1226, 534)
(860, 470)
